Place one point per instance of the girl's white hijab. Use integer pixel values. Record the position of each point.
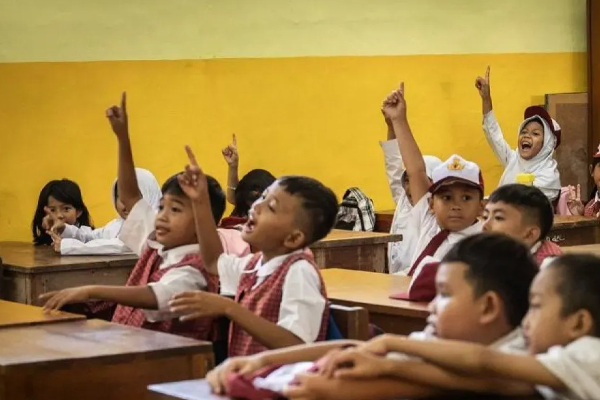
(543, 166)
(148, 185)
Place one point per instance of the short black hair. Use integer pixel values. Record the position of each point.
(249, 189)
(318, 202)
(534, 204)
(215, 193)
(579, 280)
(498, 263)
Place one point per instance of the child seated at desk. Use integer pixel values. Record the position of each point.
(59, 201)
(538, 137)
(73, 240)
(399, 253)
(562, 329)
(524, 213)
(445, 211)
(592, 208)
(482, 296)
(280, 297)
(166, 242)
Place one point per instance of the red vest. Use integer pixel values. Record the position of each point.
(265, 300)
(547, 249)
(146, 271)
(591, 208)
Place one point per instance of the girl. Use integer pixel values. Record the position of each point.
(538, 137)
(59, 201)
(73, 240)
(243, 193)
(592, 208)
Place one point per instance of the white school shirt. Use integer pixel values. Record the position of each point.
(577, 365)
(302, 304)
(135, 232)
(84, 240)
(543, 165)
(423, 225)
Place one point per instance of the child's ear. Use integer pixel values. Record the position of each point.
(580, 324)
(533, 234)
(491, 307)
(430, 201)
(295, 240)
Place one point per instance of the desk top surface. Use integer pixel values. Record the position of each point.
(15, 314)
(27, 258)
(93, 340)
(371, 290)
(339, 238)
(586, 248)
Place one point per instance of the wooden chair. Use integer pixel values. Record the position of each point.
(353, 322)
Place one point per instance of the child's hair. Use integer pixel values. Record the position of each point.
(498, 263)
(578, 285)
(65, 191)
(215, 193)
(534, 205)
(318, 202)
(249, 189)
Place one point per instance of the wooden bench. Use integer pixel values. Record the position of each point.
(371, 291)
(94, 360)
(32, 270)
(15, 314)
(364, 251)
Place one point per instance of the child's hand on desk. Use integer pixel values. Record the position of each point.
(199, 304)
(57, 299)
(117, 116)
(359, 364)
(193, 181)
(217, 378)
(394, 106)
(574, 202)
(311, 387)
(483, 85)
(230, 154)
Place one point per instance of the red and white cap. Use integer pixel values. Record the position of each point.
(540, 112)
(456, 170)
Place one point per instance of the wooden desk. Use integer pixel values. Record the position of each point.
(94, 360)
(198, 389)
(15, 314)
(586, 248)
(364, 251)
(371, 291)
(32, 270)
(567, 230)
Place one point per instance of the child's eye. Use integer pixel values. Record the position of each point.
(499, 218)
(446, 198)
(161, 207)
(467, 198)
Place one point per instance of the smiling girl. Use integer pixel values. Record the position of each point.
(539, 136)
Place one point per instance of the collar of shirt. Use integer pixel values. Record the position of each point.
(536, 247)
(266, 269)
(474, 229)
(174, 255)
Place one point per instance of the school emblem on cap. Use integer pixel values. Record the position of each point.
(456, 165)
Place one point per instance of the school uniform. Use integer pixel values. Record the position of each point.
(577, 365)
(544, 251)
(287, 290)
(543, 166)
(84, 240)
(592, 208)
(399, 253)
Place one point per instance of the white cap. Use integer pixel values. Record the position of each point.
(456, 170)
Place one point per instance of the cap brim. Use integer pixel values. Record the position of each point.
(452, 180)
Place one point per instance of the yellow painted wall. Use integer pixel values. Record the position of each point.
(293, 112)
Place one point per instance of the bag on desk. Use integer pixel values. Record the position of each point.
(356, 212)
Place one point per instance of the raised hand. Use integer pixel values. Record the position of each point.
(230, 153)
(483, 84)
(48, 220)
(193, 181)
(117, 116)
(574, 201)
(394, 106)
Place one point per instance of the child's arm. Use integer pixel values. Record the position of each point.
(132, 296)
(492, 130)
(129, 192)
(395, 109)
(393, 160)
(232, 158)
(74, 247)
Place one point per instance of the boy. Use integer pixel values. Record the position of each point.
(169, 258)
(444, 212)
(280, 297)
(563, 335)
(482, 294)
(524, 213)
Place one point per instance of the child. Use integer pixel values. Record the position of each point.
(398, 252)
(592, 208)
(242, 193)
(444, 212)
(538, 137)
(166, 242)
(563, 336)
(524, 213)
(482, 285)
(280, 297)
(59, 201)
(73, 240)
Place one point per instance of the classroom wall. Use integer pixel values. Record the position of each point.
(299, 82)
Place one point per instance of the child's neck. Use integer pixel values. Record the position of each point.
(268, 255)
(491, 334)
